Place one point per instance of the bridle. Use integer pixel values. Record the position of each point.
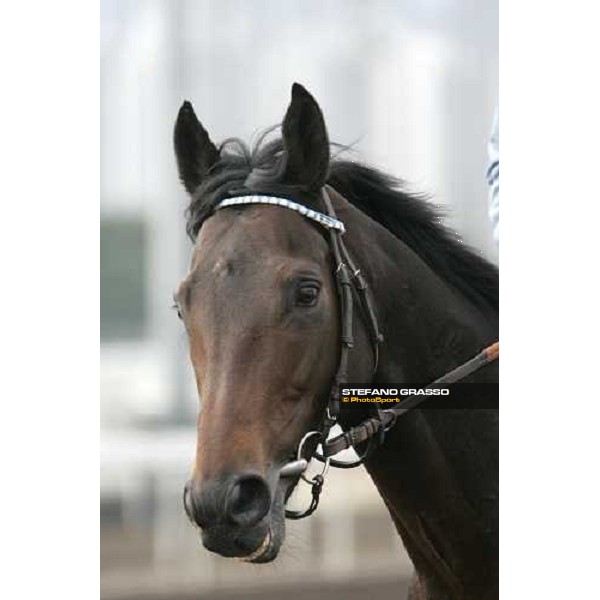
(351, 285)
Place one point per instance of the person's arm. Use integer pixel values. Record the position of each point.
(493, 177)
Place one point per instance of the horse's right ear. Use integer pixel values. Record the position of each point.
(195, 153)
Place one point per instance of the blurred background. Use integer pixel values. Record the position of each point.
(413, 85)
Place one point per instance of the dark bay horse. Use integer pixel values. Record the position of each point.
(262, 314)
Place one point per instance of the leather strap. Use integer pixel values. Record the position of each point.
(349, 281)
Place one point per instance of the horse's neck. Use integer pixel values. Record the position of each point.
(428, 327)
(437, 470)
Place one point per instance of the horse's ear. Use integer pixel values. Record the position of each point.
(306, 142)
(195, 153)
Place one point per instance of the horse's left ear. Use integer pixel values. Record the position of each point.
(195, 153)
(306, 142)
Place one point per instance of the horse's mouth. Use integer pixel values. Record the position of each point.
(264, 552)
(268, 549)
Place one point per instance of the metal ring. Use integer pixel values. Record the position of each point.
(307, 436)
(322, 473)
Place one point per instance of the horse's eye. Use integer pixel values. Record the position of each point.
(307, 294)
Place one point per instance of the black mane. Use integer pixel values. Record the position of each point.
(382, 197)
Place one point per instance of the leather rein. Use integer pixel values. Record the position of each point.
(351, 285)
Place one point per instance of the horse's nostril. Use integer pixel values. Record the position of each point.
(249, 500)
(242, 500)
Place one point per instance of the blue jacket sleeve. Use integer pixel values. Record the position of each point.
(493, 176)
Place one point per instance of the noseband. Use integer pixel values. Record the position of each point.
(351, 285)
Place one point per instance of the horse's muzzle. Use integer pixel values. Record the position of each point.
(230, 512)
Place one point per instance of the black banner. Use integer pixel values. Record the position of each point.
(456, 395)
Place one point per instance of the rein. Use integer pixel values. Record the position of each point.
(350, 284)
